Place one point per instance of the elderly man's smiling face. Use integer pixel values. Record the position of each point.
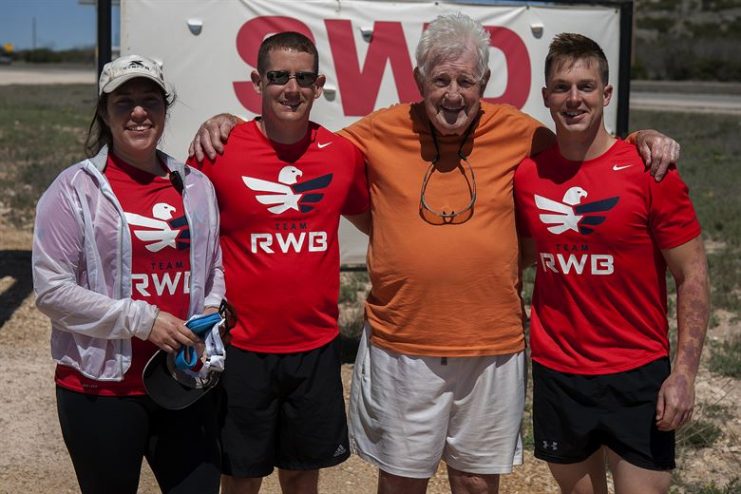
(452, 91)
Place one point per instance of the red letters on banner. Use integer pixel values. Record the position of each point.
(518, 66)
(358, 87)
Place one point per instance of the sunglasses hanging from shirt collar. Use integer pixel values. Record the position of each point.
(449, 217)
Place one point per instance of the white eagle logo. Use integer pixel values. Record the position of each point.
(288, 193)
(158, 230)
(571, 214)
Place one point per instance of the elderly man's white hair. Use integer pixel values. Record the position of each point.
(447, 37)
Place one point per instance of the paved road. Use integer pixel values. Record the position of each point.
(41, 74)
(686, 102)
(648, 95)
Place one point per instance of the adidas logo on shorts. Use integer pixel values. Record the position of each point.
(339, 451)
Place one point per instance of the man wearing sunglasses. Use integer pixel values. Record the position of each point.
(441, 371)
(282, 183)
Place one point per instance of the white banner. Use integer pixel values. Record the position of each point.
(366, 50)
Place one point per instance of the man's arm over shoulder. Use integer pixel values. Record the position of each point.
(658, 151)
(211, 135)
(688, 266)
(207, 160)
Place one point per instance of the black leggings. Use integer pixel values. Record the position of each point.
(107, 437)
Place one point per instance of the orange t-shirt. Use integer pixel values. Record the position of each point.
(444, 289)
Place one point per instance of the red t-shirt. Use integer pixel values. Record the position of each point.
(599, 303)
(160, 265)
(280, 210)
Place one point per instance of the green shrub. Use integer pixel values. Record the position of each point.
(725, 357)
(351, 285)
(352, 326)
(716, 411)
(720, 4)
(661, 24)
(698, 434)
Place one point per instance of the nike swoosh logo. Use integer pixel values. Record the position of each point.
(617, 168)
(322, 145)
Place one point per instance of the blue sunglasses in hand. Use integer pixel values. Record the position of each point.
(187, 356)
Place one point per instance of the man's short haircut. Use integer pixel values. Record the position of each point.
(288, 40)
(570, 47)
(448, 37)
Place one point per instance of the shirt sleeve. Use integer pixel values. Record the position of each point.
(540, 137)
(215, 283)
(58, 247)
(673, 220)
(360, 133)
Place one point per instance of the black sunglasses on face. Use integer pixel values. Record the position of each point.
(281, 77)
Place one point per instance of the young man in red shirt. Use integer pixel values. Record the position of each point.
(282, 184)
(602, 232)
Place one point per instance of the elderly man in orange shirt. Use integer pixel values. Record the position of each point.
(440, 373)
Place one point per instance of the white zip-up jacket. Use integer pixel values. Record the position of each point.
(82, 266)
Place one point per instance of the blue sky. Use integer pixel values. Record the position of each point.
(60, 24)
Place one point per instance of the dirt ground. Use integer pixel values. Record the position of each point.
(33, 459)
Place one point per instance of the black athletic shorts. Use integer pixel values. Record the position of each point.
(574, 415)
(282, 410)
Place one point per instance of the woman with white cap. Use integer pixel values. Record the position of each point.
(125, 249)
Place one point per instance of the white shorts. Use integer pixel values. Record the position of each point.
(408, 412)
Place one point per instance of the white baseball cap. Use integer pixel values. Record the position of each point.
(123, 69)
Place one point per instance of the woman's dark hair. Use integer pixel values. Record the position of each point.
(99, 134)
